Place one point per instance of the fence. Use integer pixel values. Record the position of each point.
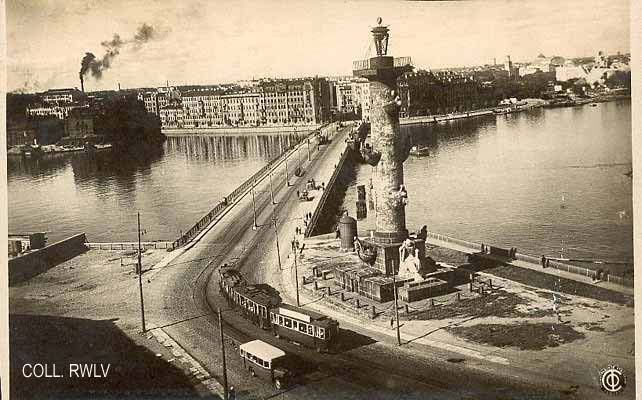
(129, 245)
(460, 242)
(214, 212)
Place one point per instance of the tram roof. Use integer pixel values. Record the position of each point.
(314, 316)
(262, 350)
(258, 295)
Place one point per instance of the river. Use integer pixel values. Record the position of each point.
(547, 181)
(100, 195)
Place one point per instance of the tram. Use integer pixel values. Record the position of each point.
(261, 304)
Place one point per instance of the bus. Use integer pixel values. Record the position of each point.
(265, 361)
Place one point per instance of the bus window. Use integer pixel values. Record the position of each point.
(287, 322)
(303, 327)
(310, 330)
(295, 325)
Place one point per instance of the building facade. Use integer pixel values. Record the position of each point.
(80, 123)
(428, 93)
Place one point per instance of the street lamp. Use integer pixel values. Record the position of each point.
(394, 284)
(254, 226)
(276, 234)
(271, 189)
(220, 328)
(308, 149)
(140, 279)
(296, 272)
(287, 176)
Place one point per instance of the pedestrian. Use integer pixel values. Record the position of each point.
(483, 250)
(543, 261)
(231, 394)
(297, 194)
(392, 323)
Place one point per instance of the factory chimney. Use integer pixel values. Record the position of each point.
(82, 83)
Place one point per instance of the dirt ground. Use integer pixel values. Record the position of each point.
(524, 336)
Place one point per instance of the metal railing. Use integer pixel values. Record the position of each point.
(591, 273)
(129, 245)
(328, 189)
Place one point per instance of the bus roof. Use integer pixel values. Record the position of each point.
(262, 350)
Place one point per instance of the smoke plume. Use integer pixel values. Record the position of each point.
(91, 65)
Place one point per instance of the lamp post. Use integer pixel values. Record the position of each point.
(220, 328)
(140, 280)
(296, 272)
(287, 176)
(308, 149)
(394, 284)
(254, 206)
(271, 189)
(276, 234)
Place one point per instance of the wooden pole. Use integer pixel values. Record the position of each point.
(140, 280)
(394, 283)
(220, 328)
(296, 275)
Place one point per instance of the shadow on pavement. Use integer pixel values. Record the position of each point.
(133, 371)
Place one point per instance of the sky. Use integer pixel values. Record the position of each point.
(217, 41)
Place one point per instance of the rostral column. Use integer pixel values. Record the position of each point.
(387, 150)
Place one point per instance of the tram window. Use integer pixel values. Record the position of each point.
(310, 330)
(303, 327)
(287, 322)
(321, 333)
(295, 325)
(272, 317)
(280, 320)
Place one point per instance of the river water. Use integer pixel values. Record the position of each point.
(100, 195)
(547, 181)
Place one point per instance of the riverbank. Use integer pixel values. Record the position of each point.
(530, 103)
(240, 130)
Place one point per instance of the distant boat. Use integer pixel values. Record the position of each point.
(419, 151)
(593, 104)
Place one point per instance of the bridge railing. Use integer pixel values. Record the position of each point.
(230, 198)
(309, 230)
(128, 245)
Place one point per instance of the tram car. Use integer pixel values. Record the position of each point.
(261, 304)
(309, 328)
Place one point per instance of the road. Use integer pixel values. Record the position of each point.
(365, 367)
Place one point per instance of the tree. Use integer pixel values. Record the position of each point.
(124, 120)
